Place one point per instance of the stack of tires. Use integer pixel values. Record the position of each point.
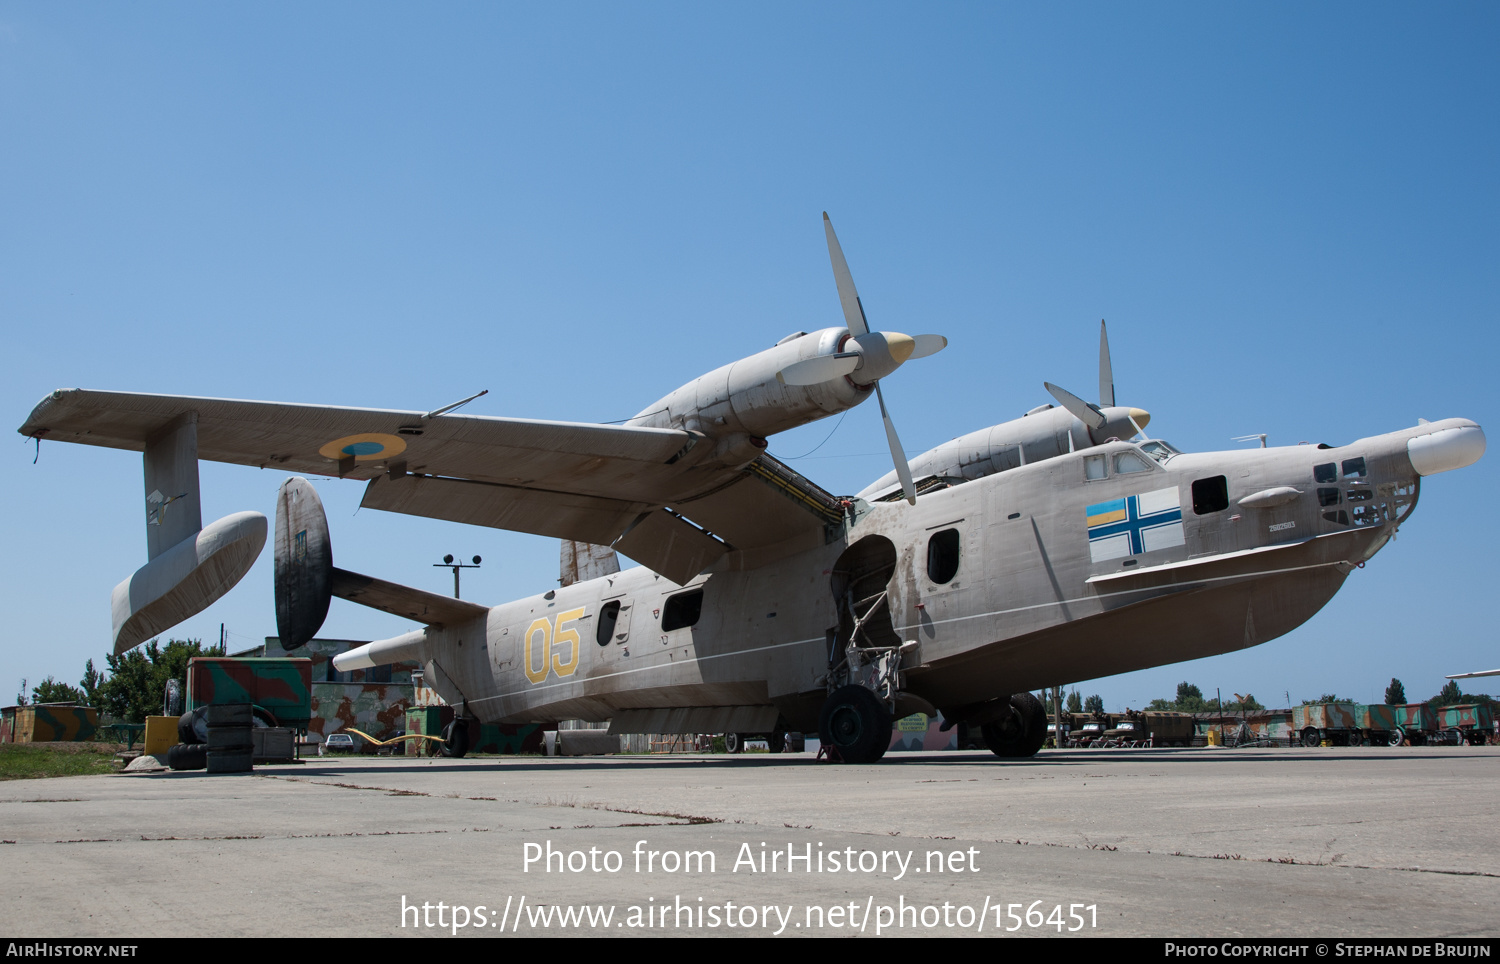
(230, 747)
(215, 737)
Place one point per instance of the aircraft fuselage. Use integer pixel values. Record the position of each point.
(1084, 565)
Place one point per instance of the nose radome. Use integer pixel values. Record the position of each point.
(1449, 448)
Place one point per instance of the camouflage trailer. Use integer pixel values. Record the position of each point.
(1475, 721)
(1338, 723)
(48, 723)
(1169, 729)
(280, 686)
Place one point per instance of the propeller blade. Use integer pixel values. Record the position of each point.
(854, 312)
(898, 454)
(1083, 411)
(819, 369)
(1106, 371)
(927, 345)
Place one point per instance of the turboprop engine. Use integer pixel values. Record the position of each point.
(801, 379)
(1042, 433)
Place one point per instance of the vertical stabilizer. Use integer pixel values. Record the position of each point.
(173, 508)
(189, 566)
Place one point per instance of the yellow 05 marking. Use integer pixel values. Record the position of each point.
(553, 643)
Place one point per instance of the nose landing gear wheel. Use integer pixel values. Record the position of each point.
(856, 724)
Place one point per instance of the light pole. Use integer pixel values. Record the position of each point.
(455, 566)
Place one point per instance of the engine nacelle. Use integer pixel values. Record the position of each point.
(1040, 434)
(746, 398)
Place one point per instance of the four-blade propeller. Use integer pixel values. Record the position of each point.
(865, 357)
(1104, 420)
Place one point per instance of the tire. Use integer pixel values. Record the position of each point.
(1310, 736)
(733, 743)
(1395, 738)
(192, 726)
(230, 738)
(188, 756)
(456, 739)
(1356, 738)
(1023, 734)
(855, 725)
(231, 761)
(776, 742)
(230, 714)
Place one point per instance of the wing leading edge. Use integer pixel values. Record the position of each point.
(643, 490)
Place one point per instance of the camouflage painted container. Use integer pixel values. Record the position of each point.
(1380, 717)
(378, 709)
(921, 732)
(280, 685)
(1326, 716)
(425, 721)
(8, 724)
(1467, 716)
(49, 723)
(1169, 729)
(1417, 717)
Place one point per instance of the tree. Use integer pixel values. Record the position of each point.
(92, 680)
(1094, 704)
(50, 690)
(1075, 702)
(138, 680)
(1395, 693)
(1326, 698)
(1449, 694)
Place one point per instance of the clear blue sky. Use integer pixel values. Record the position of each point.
(1287, 213)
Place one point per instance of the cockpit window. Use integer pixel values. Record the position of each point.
(1327, 472)
(1127, 463)
(1159, 450)
(1093, 467)
(1354, 468)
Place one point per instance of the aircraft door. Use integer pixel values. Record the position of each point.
(860, 583)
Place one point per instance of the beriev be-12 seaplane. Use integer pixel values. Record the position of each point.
(1059, 546)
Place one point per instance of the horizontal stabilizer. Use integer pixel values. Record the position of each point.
(185, 579)
(398, 600)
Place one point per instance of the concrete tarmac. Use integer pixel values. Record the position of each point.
(1362, 843)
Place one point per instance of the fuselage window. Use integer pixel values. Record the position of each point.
(1093, 467)
(1210, 495)
(1341, 517)
(942, 556)
(1354, 468)
(1360, 495)
(605, 631)
(1127, 463)
(1327, 472)
(682, 611)
(1328, 497)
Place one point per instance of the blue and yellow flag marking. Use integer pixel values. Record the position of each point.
(1134, 525)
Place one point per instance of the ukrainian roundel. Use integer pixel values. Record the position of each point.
(364, 447)
(1134, 524)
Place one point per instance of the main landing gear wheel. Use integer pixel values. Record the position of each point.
(733, 743)
(856, 724)
(1021, 733)
(776, 742)
(456, 739)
